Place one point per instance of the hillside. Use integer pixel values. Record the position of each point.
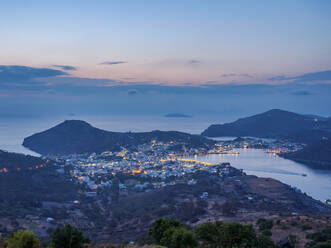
(316, 155)
(274, 123)
(26, 181)
(235, 197)
(18, 162)
(74, 136)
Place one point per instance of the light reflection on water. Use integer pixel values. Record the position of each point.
(316, 183)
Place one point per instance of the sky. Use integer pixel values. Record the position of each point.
(199, 57)
(169, 41)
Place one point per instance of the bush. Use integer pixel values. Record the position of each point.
(293, 239)
(23, 239)
(306, 227)
(265, 242)
(319, 237)
(220, 234)
(267, 233)
(323, 245)
(68, 237)
(173, 234)
(160, 226)
(237, 235)
(178, 237)
(209, 233)
(322, 236)
(264, 224)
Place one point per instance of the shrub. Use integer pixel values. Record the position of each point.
(323, 245)
(178, 237)
(266, 232)
(264, 224)
(209, 233)
(306, 227)
(68, 237)
(160, 226)
(23, 239)
(265, 242)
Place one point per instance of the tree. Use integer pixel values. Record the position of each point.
(68, 237)
(227, 235)
(179, 237)
(209, 233)
(237, 235)
(23, 239)
(326, 244)
(265, 242)
(264, 224)
(160, 226)
(319, 237)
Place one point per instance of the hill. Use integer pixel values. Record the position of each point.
(274, 123)
(18, 162)
(27, 181)
(316, 155)
(75, 136)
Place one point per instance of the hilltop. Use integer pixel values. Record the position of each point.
(274, 123)
(76, 136)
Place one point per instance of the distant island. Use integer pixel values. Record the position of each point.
(177, 115)
(76, 136)
(275, 123)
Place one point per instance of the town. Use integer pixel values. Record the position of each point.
(156, 164)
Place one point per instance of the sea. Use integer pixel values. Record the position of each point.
(315, 183)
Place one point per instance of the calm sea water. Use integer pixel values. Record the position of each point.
(316, 183)
(256, 162)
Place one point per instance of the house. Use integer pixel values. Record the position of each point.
(50, 220)
(91, 194)
(204, 195)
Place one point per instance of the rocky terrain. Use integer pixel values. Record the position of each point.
(237, 197)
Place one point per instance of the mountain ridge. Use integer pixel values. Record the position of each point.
(77, 136)
(275, 123)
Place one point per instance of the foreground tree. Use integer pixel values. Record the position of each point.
(23, 239)
(68, 237)
(265, 242)
(160, 226)
(179, 237)
(228, 235)
(171, 233)
(209, 233)
(237, 235)
(326, 244)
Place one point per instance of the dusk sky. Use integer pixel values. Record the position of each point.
(69, 52)
(169, 41)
